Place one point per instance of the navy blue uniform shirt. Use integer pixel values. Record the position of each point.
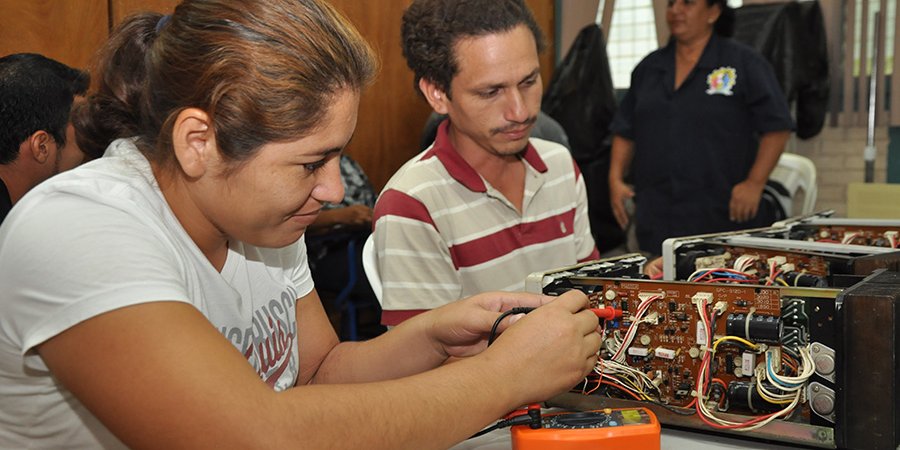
(693, 144)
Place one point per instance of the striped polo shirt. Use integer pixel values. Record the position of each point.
(443, 233)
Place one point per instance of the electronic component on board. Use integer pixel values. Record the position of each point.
(744, 394)
(754, 327)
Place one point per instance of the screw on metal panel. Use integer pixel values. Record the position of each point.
(822, 435)
(816, 348)
(815, 388)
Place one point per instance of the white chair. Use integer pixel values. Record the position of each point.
(370, 265)
(795, 172)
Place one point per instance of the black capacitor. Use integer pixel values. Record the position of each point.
(738, 392)
(761, 328)
(804, 280)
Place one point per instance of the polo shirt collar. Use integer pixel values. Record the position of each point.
(460, 170)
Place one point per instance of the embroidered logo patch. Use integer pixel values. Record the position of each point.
(721, 81)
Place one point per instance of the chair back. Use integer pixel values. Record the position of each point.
(795, 172)
(370, 265)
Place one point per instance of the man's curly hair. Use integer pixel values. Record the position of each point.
(431, 29)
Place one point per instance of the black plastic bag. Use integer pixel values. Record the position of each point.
(581, 98)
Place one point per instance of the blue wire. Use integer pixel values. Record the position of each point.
(772, 374)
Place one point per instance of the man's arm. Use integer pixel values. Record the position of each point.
(746, 194)
(620, 161)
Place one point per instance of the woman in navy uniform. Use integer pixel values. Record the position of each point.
(701, 128)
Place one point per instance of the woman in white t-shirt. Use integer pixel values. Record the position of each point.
(160, 296)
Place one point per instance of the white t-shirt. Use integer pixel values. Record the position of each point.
(102, 237)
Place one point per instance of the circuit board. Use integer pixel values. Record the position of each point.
(869, 235)
(759, 265)
(807, 263)
(670, 339)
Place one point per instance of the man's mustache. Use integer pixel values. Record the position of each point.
(514, 125)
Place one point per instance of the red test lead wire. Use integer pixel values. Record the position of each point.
(607, 313)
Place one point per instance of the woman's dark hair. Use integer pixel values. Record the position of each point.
(431, 28)
(724, 25)
(264, 70)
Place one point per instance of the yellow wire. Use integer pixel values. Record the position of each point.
(771, 400)
(637, 389)
(734, 338)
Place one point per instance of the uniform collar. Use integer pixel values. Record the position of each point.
(460, 170)
(708, 58)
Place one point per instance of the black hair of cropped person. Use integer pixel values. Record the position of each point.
(36, 94)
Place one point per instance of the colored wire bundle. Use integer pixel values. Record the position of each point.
(721, 274)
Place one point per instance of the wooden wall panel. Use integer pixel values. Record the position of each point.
(66, 30)
(391, 113)
(545, 16)
(120, 9)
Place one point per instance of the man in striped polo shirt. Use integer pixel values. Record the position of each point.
(485, 205)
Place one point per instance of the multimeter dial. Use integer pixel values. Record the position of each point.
(602, 428)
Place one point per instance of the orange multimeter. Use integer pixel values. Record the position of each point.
(631, 428)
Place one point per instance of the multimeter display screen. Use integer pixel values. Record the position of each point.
(596, 419)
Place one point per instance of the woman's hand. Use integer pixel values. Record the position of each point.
(461, 328)
(549, 349)
(745, 200)
(618, 193)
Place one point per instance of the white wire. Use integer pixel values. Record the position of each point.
(806, 364)
(743, 262)
(849, 237)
